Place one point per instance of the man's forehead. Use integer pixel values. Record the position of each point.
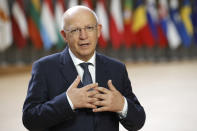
(79, 16)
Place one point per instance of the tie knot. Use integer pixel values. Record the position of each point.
(87, 79)
(84, 65)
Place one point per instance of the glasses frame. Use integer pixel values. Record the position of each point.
(78, 30)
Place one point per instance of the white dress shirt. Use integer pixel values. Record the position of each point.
(77, 61)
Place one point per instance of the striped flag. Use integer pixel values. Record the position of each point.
(48, 30)
(5, 26)
(103, 19)
(19, 24)
(34, 23)
(59, 11)
(116, 24)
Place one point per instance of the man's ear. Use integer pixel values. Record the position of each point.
(99, 30)
(63, 33)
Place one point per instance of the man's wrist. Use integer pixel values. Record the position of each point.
(70, 102)
(123, 113)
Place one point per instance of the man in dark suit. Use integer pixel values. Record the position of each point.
(79, 89)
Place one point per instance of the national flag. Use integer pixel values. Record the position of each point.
(140, 26)
(168, 26)
(103, 19)
(162, 25)
(194, 20)
(174, 39)
(72, 3)
(186, 18)
(175, 17)
(116, 24)
(59, 11)
(128, 34)
(173, 36)
(34, 24)
(48, 30)
(19, 24)
(87, 3)
(152, 17)
(5, 26)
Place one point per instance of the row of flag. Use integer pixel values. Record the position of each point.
(151, 23)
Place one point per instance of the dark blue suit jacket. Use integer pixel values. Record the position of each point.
(46, 106)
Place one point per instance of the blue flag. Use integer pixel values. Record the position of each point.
(186, 19)
(175, 17)
(194, 20)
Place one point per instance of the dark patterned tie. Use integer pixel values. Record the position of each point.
(87, 79)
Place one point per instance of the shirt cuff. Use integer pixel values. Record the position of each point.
(70, 102)
(122, 114)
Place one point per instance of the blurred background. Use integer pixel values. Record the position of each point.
(156, 39)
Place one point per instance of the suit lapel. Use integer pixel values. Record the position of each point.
(69, 71)
(67, 67)
(102, 74)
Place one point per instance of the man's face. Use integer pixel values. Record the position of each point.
(81, 34)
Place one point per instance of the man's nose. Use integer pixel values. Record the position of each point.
(83, 34)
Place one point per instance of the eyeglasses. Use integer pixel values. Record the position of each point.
(88, 29)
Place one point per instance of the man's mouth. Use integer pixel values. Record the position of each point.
(84, 44)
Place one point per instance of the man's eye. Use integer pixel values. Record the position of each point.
(74, 30)
(89, 27)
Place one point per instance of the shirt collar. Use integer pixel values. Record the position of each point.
(77, 61)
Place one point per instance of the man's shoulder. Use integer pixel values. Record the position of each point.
(109, 60)
(49, 59)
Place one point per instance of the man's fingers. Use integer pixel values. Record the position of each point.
(92, 93)
(99, 103)
(101, 109)
(102, 90)
(92, 100)
(100, 96)
(88, 105)
(110, 85)
(90, 86)
(76, 82)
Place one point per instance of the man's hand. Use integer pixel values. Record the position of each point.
(110, 100)
(82, 97)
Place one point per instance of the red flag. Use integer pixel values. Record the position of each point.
(19, 24)
(103, 19)
(87, 3)
(162, 37)
(116, 24)
(141, 28)
(128, 34)
(162, 26)
(148, 36)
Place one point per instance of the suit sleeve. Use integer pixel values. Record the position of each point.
(38, 111)
(135, 115)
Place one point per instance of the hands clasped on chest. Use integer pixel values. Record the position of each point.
(98, 98)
